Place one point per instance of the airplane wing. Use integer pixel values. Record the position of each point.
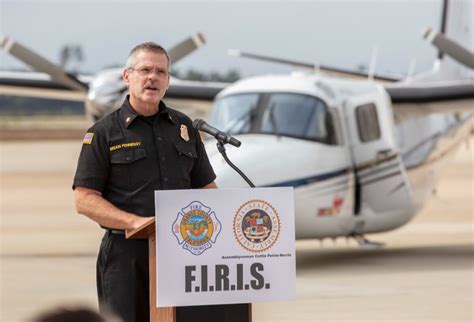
(418, 99)
(429, 92)
(41, 85)
(333, 71)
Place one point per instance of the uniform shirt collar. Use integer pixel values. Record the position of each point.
(128, 114)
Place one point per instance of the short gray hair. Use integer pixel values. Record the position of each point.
(146, 46)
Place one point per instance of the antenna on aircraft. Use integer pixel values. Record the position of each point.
(411, 68)
(373, 62)
(233, 52)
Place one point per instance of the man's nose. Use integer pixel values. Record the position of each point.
(153, 76)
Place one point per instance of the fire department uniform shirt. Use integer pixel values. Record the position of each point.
(127, 157)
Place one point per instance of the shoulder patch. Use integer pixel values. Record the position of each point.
(88, 138)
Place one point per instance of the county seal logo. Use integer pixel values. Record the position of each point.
(256, 225)
(196, 227)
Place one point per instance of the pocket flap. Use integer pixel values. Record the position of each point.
(126, 156)
(186, 149)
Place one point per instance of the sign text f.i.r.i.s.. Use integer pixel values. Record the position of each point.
(226, 278)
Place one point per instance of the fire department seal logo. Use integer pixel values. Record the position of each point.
(256, 225)
(196, 228)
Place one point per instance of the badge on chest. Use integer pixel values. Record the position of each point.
(184, 132)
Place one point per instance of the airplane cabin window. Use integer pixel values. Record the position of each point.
(368, 123)
(284, 114)
(298, 115)
(234, 114)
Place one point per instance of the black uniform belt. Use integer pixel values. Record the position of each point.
(115, 231)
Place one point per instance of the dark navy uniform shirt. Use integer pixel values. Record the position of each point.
(126, 157)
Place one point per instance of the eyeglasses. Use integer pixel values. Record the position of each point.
(147, 71)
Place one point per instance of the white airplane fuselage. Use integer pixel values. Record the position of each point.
(354, 170)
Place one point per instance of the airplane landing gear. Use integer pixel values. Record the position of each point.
(367, 244)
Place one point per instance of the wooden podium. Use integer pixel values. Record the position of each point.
(210, 313)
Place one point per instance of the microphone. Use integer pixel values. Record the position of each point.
(222, 137)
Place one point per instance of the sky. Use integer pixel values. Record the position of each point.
(339, 33)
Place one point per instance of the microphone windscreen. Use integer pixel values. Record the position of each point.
(197, 123)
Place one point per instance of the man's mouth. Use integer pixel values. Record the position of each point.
(151, 88)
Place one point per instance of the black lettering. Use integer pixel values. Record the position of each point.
(189, 277)
(240, 276)
(222, 276)
(204, 278)
(259, 282)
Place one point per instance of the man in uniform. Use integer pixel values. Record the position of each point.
(141, 147)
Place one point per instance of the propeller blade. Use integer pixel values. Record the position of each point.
(186, 47)
(41, 64)
(450, 47)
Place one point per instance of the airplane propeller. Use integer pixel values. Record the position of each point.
(41, 64)
(68, 80)
(185, 47)
(450, 47)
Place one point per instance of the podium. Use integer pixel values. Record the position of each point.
(208, 313)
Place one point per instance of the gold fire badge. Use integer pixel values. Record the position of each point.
(184, 132)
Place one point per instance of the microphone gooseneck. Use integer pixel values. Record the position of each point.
(222, 138)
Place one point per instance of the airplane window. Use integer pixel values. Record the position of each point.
(368, 123)
(297, 115)
(234, 114)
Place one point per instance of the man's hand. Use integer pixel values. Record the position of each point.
(211, 185)
(141, 221)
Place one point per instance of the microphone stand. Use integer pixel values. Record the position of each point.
(221, 148)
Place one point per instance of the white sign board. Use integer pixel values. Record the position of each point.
(222, 246)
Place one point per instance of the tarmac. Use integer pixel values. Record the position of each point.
(424, 273)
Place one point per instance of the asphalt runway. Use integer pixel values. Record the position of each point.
(425, 272)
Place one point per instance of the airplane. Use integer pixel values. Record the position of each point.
(104, 92)
(363, 156)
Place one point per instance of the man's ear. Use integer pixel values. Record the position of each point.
(125, 76)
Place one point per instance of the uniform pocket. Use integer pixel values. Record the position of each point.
(187, 157)
(127, 168)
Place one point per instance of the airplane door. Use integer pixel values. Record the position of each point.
(383, 195)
